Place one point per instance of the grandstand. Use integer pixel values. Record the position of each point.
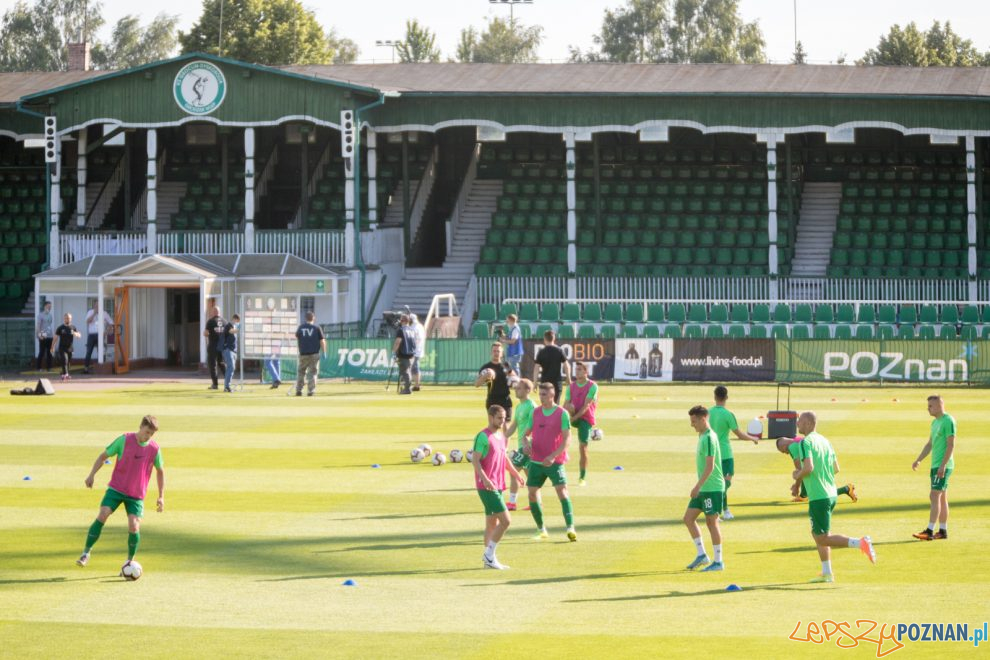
(655, 201)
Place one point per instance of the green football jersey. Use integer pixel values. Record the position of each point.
(821, 482)
(708, 446)
(722, 422)
(942, 428)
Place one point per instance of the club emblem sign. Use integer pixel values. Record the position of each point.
(199, 88)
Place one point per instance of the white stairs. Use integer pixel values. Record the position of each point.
(170, 196)
(395, 215)
(419, 285)
(816, 229)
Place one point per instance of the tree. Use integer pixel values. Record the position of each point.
(419, 44)
(503, 42)
(799, 57)
(677, 31)
(937, 46)
(131, 45)
(272, 32)
(34, 37)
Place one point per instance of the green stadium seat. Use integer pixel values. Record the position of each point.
(654, 313)
(761, 314)
(528, 311)
(629, 332)
(652, 332)
(782, 313)
(824, 314)
(986, 314)
(866, 314)
(779, 331)
(887, 314)
(821, 332)
(907, 314)
(613, 313)
(802, 313)
(905, 332)
(886, 332)
(486, 312)
(566, 331)
(925, 332)
(969, 333)
(949, 314)
(713, 331)
(694, 331)
(697, 314)
(672, 332)
(675, 313)
(479, 330)
(550, 312)
(592, 312)
(800, 331)
(970, 314)
(718, 313)
(587, 331)
(862, 331)
(570, 313)
(759, 332)
(736, 331)
(844, 331)
(928, 314)
(635, 313)
(947, 331)
(739, 314)
(845, 314)
(541, 329)
(608, 331)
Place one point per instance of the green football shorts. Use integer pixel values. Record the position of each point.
(538, 473)
(114, 499)
(584, 431)
(820, 512)
(943, 483)
(492, 499)
(728, 466)
(709, 502)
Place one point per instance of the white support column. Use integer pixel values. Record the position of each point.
(772, 175)
(81, 180)
(55, 206)
(100, 311)
(249, 190)
(971, 214)
(152, 176)
(570, 164)
(372, 140)
(349, 257)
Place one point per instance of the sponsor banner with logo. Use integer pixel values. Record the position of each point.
(597, 354)
(724, 360)
(644, 359)
(915, 361)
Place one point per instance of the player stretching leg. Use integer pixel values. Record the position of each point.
(522, 425)
(941, 443)
(490, 464)
(815, 464)
(548, 453)
(580, 402)
(706, 496)
(722, 421)
(136, 455)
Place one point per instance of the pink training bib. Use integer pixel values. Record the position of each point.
(579, 396)
(547, 435)
(133, 469)
(493, 465)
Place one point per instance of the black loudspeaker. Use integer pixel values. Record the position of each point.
(44, 386)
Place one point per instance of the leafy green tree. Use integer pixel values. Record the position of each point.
(677, 31)
(937, 46)
(420, 44)
(270, 32)
(502, 42)
(799, 57)
(131, 45)
(34, 37)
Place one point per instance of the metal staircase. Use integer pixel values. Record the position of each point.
(815, 234)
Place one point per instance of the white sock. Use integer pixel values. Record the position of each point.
(718, 553)
(853, 543)
(827, 567)
(931, 526)
(943, 527)
(490, 550)
(512, 497)
(700, 545)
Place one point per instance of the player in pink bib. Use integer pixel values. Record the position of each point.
(136, 455)
(490, 464)
(581, 401)
(548, 453)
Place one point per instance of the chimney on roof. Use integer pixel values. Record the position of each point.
(79, 56)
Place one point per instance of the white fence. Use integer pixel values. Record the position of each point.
(200, 242)
(494, 290)
(73, 247)
(319, 246)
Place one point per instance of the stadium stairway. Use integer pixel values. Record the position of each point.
(419, 285)
(815, 230)
(170, 196)
(394, 215)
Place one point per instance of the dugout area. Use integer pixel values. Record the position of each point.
(159, 304)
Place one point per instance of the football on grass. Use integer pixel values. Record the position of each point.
(439, 459)
(426, 449)
(456, 455)
(416, 455)
(131, 570)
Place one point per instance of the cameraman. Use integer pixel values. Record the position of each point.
(513, 341)
(404, 349)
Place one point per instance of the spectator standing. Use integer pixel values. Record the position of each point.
(419, 330)
(312, 344)
(551, 364)
(513, 341)
(214, 346)
(93, 320)
(230, 349)
(404, 350)
(64, 334)
(44, 329)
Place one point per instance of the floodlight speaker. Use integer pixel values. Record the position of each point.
(51, 147)
(348, 133)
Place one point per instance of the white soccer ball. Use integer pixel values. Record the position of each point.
(755, 428)
(456, 455)
(426, 449)
(513, 381)
(489, 374)
(439, 459)
(469, 456)
(416, 455)
(597, 434)
(131, 570)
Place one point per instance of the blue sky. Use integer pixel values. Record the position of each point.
(827, 28)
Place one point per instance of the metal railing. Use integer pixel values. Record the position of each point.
(200, 242)
(325, 247)
(95, 216)
(422, 195)
(455, 217)
(262, 179)
(73, 247)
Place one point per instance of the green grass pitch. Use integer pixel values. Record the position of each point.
(271, 504)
